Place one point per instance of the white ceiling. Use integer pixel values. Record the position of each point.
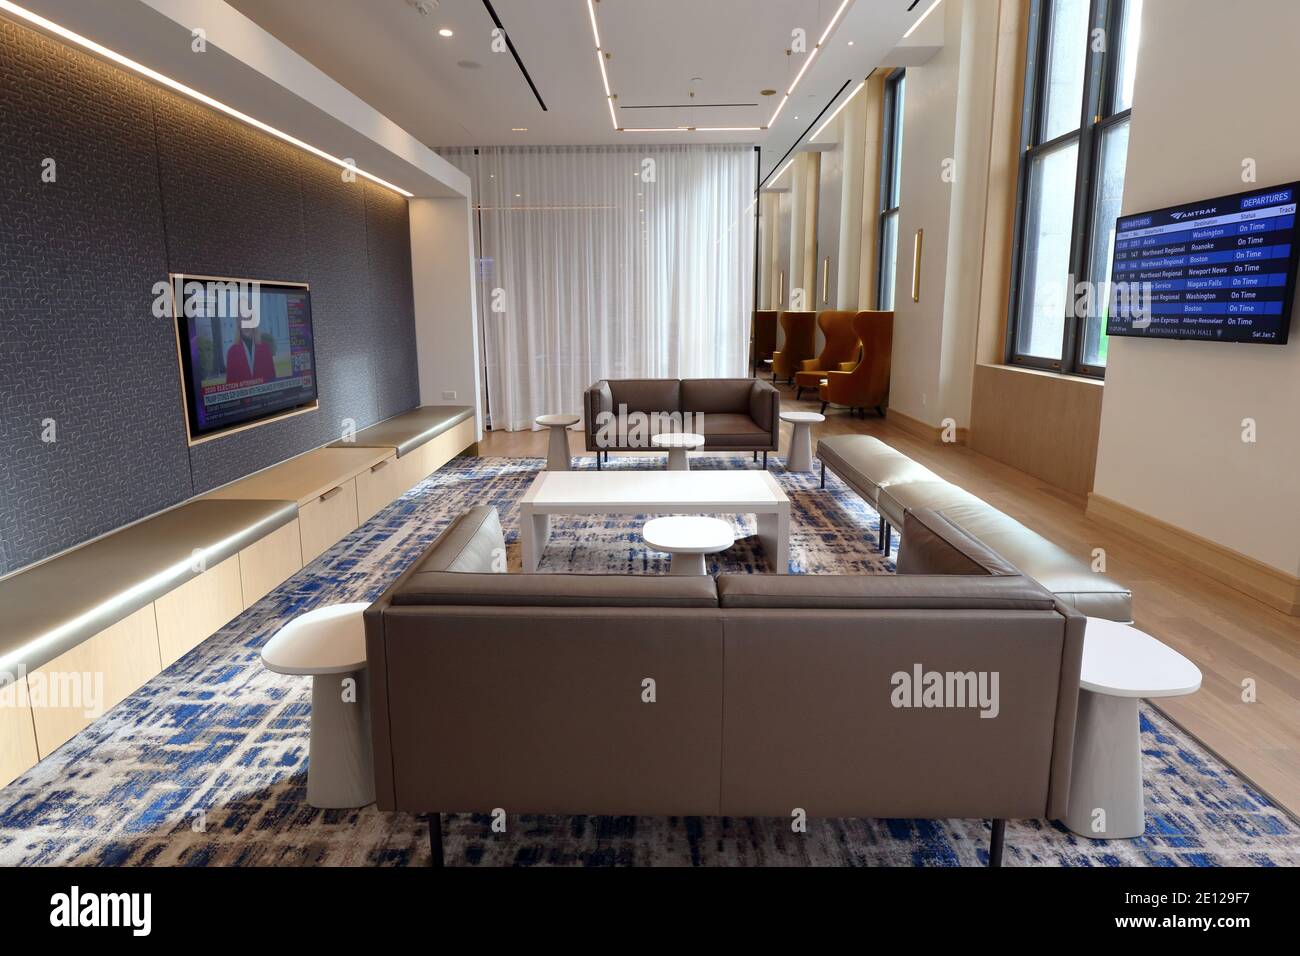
(458, 92)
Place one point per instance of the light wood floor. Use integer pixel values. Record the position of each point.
(1230, 636)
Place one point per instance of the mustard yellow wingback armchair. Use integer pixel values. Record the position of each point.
(840, 345)
(867, 385)
(800, 330)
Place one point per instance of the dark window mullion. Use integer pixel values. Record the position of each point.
(1084, 179)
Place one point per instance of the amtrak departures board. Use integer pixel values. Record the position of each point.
(1219, 270)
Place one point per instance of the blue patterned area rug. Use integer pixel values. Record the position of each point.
(206, 764)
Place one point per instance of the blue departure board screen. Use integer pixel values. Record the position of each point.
(1219, 270)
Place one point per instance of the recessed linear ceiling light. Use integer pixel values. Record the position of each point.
(50, 26)
(444, 32)
(519, 129)
(812, 55)
(921, 19)
(830, 119)
(602, 55)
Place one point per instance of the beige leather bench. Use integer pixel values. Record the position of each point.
(896, 485)
(125, 606)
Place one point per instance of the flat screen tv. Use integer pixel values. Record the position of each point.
(1221, 270)
(247, 352)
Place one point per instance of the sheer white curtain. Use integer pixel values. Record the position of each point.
(601, 262)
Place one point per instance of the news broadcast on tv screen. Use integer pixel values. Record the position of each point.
(251, 352)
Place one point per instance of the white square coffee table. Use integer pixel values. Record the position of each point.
(655, 493)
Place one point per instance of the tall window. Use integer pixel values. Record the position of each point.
(1078, 95)
(891, 160)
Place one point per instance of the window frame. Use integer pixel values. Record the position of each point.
(891, 130)
(1096, 116)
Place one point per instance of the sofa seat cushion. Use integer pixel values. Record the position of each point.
(557, 590)
(868, 464)
(730, 429)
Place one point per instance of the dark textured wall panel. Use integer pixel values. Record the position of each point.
(388, 226)
(78, 341)
(149, 182)
(232, 195)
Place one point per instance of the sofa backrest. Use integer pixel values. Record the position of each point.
(719, 396)
(646, 395)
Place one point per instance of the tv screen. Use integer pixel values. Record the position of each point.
(247, 351)
(1222, 269)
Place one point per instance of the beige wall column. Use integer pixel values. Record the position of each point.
(852, 123)
(873, 107)
(803, 232)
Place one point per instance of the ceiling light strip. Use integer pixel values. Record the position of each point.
(831, 118)
(812, 55)
(609, 95)
(921, 19)
(63, 32)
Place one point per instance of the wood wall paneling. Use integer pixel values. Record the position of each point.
(264, 565)
(93, 676)
(201, 606)
(17, 733)
(1043, 423)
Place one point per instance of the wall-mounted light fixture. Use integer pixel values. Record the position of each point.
(916, 265)
(49, 26)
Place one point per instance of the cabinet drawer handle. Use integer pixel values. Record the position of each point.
(331, 493)
(383, 464)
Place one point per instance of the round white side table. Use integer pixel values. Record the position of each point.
(800, 456)
(688, 538)
(1120, 665)
(329, 644)
(678, 444)
(557, 453)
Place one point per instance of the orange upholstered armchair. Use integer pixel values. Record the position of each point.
(867, 385)
(840, 346)
(800, 330)
(762, 341)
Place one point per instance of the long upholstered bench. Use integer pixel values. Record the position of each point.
(84, 629)
(117, 610)
(895, 485)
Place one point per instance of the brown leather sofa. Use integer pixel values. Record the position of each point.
(773, 693)
(733, 414)
(839, 350)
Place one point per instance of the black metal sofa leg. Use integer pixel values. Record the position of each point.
(765, 461)
(598, 464)
(823, 474)
(435, 839)
(996, 841)
(885, 533)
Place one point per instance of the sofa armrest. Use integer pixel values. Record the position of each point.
(765, 406)
(597, 399)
